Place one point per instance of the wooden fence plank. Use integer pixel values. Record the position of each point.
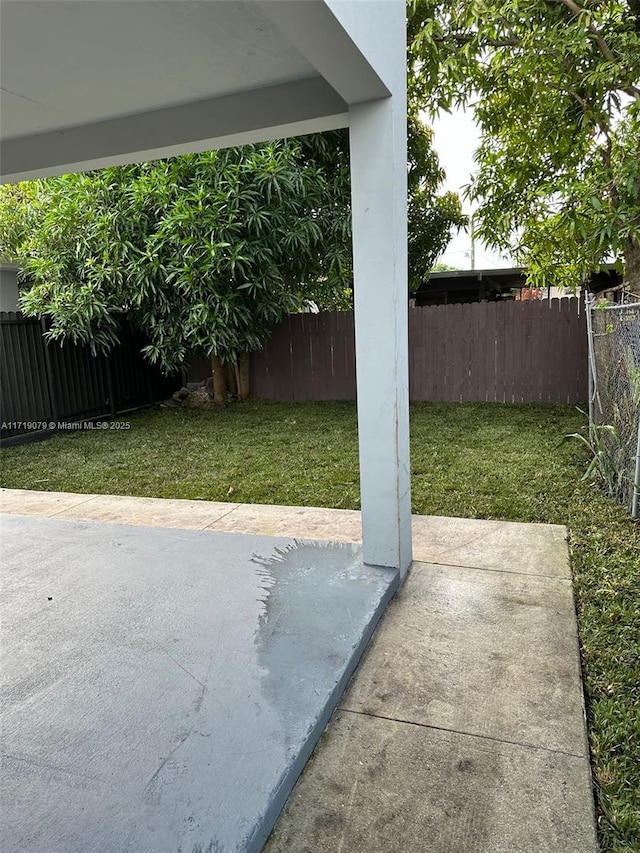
(520, 349)
(415, 354)
(477, 364)
(502, 330)
(467, 350)
(509, 351)
(579, 335)
(348, 355)
(512, 365)
(455, 354)
(571, 353)
(537, 314)
(437, 353)
(560, 389)
(280, 366)
(577, 355)
(490, 352)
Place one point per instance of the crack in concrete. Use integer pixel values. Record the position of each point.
(183, 668)
(210, 524)
(73, 506)
(151, 789)
(417, 562)
(523, 744)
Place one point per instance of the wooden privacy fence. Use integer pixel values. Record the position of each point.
(308, 357)
(506, 352)
(44, 383)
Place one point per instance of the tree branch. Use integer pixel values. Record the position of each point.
(605, 50)
(604, 129)
(460, 38)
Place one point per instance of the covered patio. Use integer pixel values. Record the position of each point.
(173, 664)
(87, 85)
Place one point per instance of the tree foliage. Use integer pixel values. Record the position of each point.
(204, 252)
(554, 85)
(431, 218)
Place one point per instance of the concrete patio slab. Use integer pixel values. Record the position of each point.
(149, 512)
(478, 652)
(463, 728)
(337, 525)
(380, 785)
(26, 502)
(502, 545)
(119, 509)
(162, 689)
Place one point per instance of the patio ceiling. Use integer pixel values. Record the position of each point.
(88, 84)
(92, 83)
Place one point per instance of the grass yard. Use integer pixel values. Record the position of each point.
(468, 460)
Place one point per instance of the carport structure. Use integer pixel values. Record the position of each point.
(107, 82)
(95, 83)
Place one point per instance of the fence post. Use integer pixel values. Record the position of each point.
(636, 480)
(112, 400)
(48, 366)
(593, 379)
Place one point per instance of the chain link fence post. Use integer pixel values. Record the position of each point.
(614, 396)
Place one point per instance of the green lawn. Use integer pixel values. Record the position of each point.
(471, 460)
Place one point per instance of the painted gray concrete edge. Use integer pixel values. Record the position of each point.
(294, 622)
(297, 766)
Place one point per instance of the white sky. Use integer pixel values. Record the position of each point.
(455, 139)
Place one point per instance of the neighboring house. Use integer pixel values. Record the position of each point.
(443, 288)
(8, 287)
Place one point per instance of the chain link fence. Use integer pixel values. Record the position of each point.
(614, 398)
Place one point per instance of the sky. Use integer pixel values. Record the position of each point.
(455, 139)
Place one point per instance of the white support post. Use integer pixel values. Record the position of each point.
(379, 205)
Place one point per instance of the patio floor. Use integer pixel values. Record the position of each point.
(141, 714)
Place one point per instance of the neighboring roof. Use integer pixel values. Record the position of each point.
(505, 278)
(479, 275)
(608, 279)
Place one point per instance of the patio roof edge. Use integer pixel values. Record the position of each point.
(257, 115)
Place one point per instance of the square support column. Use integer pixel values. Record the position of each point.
(379, 207)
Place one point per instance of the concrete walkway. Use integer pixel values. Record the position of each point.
(463, 728)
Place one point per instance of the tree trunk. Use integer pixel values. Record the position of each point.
(219, 381)
(632, 266)
(231, 373)
(244, 388)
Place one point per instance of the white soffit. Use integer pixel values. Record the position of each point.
(89, 83)
(71, 62)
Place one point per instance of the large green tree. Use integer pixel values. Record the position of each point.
(204, 252)
(555, 89)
